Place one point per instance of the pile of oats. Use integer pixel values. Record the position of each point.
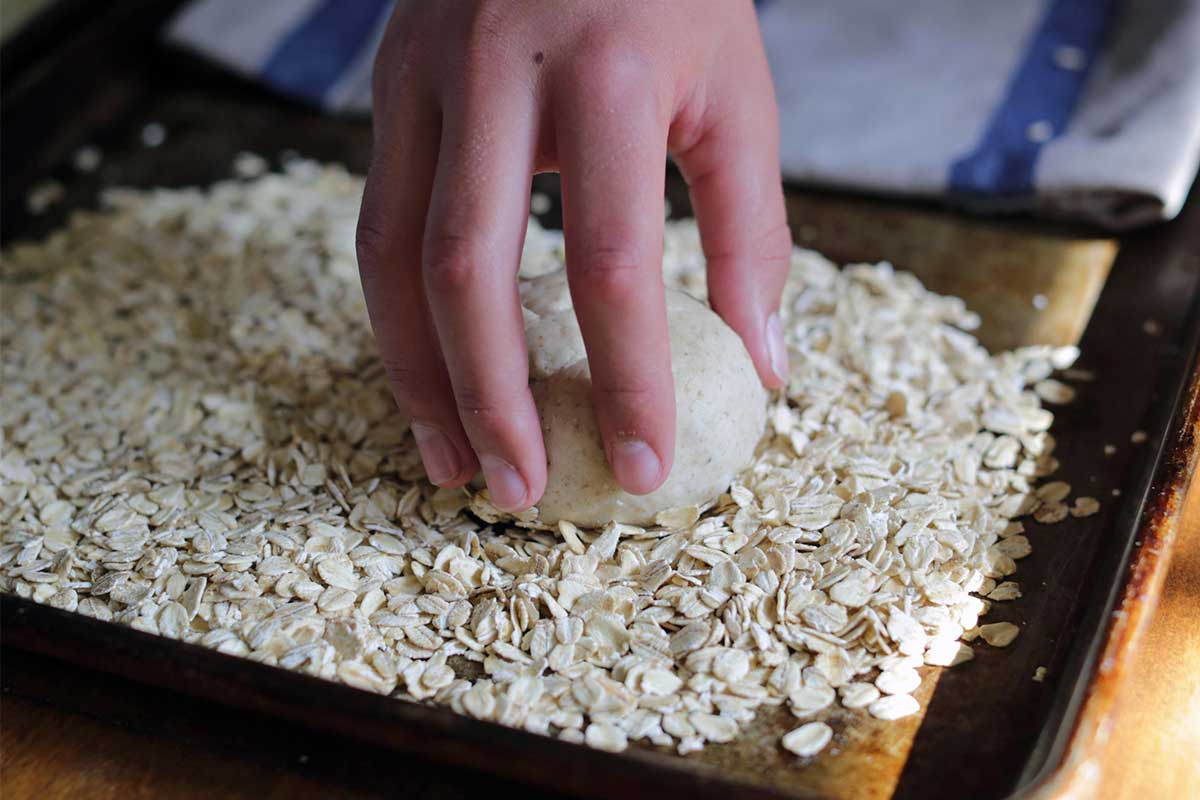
(199, 442)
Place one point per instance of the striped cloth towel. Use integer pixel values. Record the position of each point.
(1079, 108)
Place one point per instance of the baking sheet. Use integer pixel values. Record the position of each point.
(988, 723)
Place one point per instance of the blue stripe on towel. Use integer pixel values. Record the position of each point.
(1042, 94)
(310, 59)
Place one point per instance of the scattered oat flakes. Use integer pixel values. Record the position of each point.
(1085, 507)
(898, 680)
(1064, 357)
(808, 700)
(43, 195)
(1138, 437)
(1053, 391)
(964, 654)
(858, 695)
(86, 159)
(808, 740)
(199, 442)
(605, 736)
(249, 165)
(1039, 674)
(1050, 513)
(894, 706)
(1053, 492)
(1009, 590)
(999, 634)
(941, 652)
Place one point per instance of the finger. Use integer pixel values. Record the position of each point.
(389, 234)
(475, 229)
(611, 139)
(730, 159)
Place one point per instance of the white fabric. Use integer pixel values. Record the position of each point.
(885, 96)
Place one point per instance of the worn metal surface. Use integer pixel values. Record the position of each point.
(1076, 770)
(988, 724)
(1031, 283)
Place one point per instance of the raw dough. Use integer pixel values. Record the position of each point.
(721, 410)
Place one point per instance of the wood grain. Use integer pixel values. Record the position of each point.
(1155, 742)
(50, 753)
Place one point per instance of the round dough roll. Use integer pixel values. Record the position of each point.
(721, 409)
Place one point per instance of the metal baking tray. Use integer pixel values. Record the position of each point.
(93, 73)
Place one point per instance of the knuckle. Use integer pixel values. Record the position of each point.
(451, 268)
(488, 24)
(768, 250)
(629, 393)
(613, 274)
(397, 60)
(370, 245)
(405, 381)
(634, 403)
(612, 67)
(486, 42)
(481, 407)
(775, 245)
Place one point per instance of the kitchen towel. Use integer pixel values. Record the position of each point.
(1087, 109)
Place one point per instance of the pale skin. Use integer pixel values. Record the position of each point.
(473, 97)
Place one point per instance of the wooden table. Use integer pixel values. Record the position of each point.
(1154, 752)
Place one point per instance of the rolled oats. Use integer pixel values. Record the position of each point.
(604, 736)
(999, 634)
(808, 740)
(200, 442)
(858, 695)
(894, 706)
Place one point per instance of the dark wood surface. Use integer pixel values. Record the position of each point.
(988, 714)
(63, 731)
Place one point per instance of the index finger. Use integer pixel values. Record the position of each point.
(611, 139)
(472, 249)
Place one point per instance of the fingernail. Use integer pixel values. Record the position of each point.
(636, 466)
(776, 348)
(505, 484)
(439, 456)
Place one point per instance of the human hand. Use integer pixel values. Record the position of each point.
(473, 97)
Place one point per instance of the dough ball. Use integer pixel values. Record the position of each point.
(721, 410)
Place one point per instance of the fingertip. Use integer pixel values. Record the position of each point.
(446, 465)
(776, 373)
(508, 488)
(534, 473)
(636, 466)
(762, 337)
(536, 480)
